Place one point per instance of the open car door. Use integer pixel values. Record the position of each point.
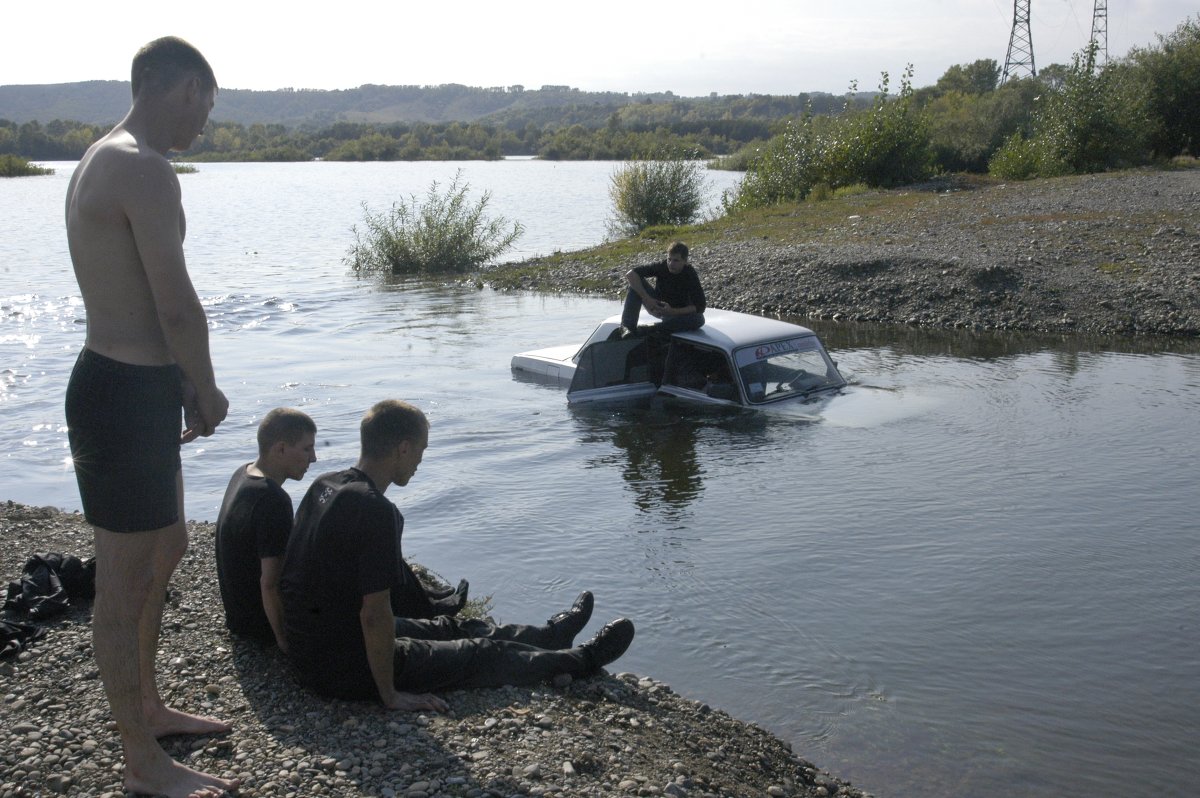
(626, 368)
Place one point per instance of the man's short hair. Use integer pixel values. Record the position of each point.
(678, 248)
(388, 424)
(284, 424)
(162, 63)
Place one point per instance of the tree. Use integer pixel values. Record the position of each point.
(1171, 78)
(1095, 121)
(980, 77)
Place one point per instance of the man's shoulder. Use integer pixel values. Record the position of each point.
(245, 483)
(119, 162)
(121, 149)
(248, 494)
(347, 485)
(655, 269)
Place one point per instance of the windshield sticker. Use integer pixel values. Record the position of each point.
(767, 350)
(757, 354)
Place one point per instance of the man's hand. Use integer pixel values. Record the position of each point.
(656, 307)
(411, 702)
(201, 414)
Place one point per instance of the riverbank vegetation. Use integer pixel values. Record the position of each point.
(658, 189)
(16, 166)
(1085, 117)
(445, 232)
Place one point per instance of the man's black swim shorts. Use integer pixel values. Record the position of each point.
(123, 423)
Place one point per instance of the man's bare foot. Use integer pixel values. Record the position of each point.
(164, 722)
(168, 777)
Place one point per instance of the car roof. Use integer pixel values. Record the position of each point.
(730, 330)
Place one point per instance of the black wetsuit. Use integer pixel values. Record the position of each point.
(254, 524)
(677, 290)
(346, 545)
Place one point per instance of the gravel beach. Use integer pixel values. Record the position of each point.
(612, 735)
(1104, 254)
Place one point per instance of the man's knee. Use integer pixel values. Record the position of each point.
(132, 562)
(172, 545)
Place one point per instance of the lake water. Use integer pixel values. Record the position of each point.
(973, 574)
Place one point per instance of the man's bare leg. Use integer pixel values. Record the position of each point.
(161, 719)
(125, 586)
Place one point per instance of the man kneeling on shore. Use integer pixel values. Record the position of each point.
(342, 570)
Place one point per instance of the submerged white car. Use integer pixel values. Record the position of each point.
(734, 359)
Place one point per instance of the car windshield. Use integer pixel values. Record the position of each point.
(780, 369)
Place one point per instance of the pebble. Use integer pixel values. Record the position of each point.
(288, 743)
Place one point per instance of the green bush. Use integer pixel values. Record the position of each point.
(1097, 120)
(885, 145)
(1017, 159)
(445, 233)
(656, 192)
(965, 130)
(16, 166)
(1171, 74)
(1090, 121)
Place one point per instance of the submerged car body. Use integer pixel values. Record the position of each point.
(734, 359)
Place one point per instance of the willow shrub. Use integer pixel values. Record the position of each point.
(444, 233)
(648, 193)
(885, 145)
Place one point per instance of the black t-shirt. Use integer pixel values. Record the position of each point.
(345, 545)
(677, 290)
(254, 523)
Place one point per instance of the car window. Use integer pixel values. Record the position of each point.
(699, 368)
(786, 368)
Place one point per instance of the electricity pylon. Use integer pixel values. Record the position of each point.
(1098, 51)
(1020, 43)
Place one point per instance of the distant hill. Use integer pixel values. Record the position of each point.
(104, 102)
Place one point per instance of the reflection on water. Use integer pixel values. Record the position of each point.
(839, 336)
(655, 456)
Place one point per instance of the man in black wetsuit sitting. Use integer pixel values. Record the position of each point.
(255, 523)
(342, 570)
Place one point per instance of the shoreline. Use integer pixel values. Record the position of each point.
(1111, 254)
(618, 734)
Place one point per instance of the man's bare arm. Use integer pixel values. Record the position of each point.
(151, 200)
(268, 585)
(379, 635)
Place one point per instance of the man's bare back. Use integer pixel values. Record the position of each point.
(116, 178)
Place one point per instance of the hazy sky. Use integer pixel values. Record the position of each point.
(690, 48)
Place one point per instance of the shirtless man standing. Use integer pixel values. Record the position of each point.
(145, 359)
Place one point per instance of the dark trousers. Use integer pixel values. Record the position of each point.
(448, 653)
(633, 309)
(446, 627)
